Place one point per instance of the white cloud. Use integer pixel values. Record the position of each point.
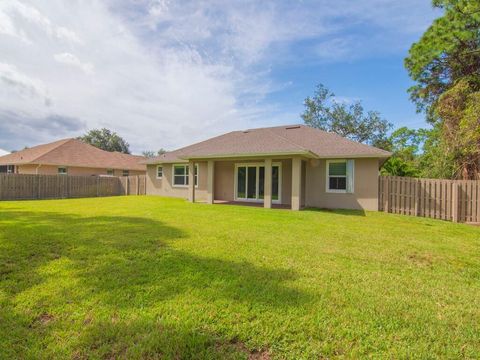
(165, 73)
(14, 10)
(72, 60)
(21, 85)
(4, 152)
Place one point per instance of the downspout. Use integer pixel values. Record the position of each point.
(38, 167)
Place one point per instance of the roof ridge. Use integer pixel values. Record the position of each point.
(288, 140)
(60, 143)
(344, 138)
(271, 127)
(182, 149)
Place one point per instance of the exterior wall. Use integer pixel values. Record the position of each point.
(313, 194)
(224, 180)
(165, 187)
(365, 195)
(29, 169)
(79, 171)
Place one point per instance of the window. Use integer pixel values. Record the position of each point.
(340, 176)
(180, 175)
(62, 171)
(159, 172)
(7, 169)
(110, 172)
(125, 173)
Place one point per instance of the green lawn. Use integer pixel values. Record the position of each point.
(150, 277)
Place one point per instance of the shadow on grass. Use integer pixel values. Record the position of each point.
(120, 264)
(345, 212)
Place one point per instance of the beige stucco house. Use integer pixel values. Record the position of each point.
(295, 166)
(71, 157)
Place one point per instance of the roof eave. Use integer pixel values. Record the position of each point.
(305, 153)
(354, 156)
(116, 167)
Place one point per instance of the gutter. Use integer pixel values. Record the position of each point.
(306, 153)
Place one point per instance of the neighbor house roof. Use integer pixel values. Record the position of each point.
(280, 140)
(73, 152)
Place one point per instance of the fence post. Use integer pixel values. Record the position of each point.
(138, 185)
(37, 181)
(126, 185)
(98, 180)
(417, 196)
(68, 186)
(455, 214)
(386, 194)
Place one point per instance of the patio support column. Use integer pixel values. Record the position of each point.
(210, 181)
(191, 181)
(296, 182)
(267, 188)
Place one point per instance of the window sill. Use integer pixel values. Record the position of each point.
(338, 191)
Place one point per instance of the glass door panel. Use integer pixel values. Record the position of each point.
(242, 182)
(275, 182)
(261, 182)
(252, 182)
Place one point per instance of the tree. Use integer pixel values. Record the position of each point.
(324, 112)
(445, 64)
(405, 144)
(152, 154)
(106, 140)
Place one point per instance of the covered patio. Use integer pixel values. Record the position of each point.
(268, 182)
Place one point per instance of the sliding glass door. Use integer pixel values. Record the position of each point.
(250, 182)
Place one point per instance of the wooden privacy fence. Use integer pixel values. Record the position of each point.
(133, 185)
(28, 187)
(452, 200)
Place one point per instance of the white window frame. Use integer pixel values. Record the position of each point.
(127, 171)
(159, 167)
(352, 175)
(11, 169)
(196, 176)
(327, 172)
(112, 172)
(62, 173)
(257, 165)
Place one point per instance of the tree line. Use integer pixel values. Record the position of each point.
(445, 66)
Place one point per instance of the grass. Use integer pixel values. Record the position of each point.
(150, 277)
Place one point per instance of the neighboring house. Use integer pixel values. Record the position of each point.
(292, 165)
(71, 157)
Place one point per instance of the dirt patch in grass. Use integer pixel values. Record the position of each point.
(242, 348)
(44, 319)
(423, 260)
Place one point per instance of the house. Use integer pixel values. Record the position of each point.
(71, 157)
(295, 166)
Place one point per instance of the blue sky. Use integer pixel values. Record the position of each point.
(165, 73)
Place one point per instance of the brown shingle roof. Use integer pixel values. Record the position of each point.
(291, 139)
(73, 152)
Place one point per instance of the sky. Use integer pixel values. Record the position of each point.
(165, 73)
